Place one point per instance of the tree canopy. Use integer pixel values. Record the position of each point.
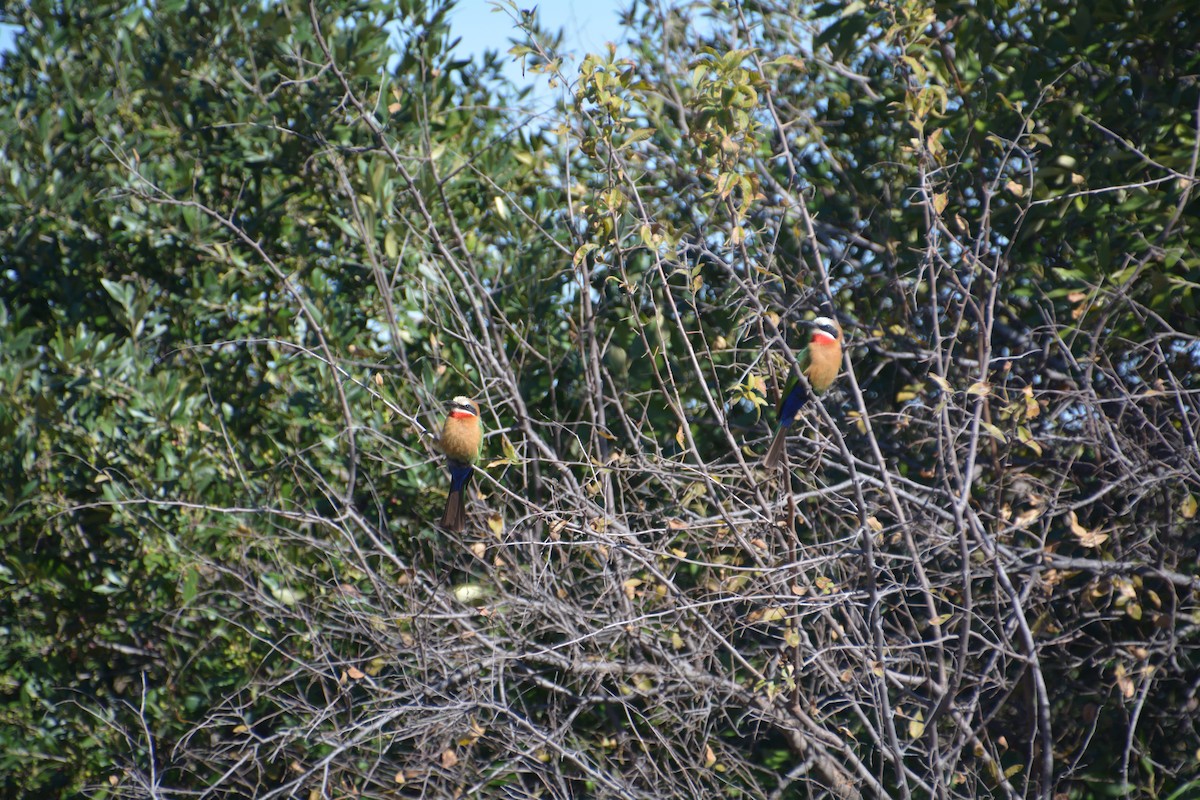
(248, 250)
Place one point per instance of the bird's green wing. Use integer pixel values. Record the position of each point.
(793, 396)
(804, 360)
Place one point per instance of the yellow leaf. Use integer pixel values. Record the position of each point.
(710, 757)
(995, 432)
(1032, 409)
(939, 203)
(474, 733)
(495, 524)
(1187, 509)
(934, 142)
(1027, 439)
(772, 614)
(679, 436)
(501, 207)
(942, 383)
(356, 674)
(448, 758)
(468, 592)
(874, 524)
(1015, 188)
(980, 389)
(916, 726)
(630, 586)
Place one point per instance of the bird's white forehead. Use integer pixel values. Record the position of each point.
(824, 322)
(461, 400)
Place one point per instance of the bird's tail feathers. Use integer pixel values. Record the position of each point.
(455, 516)
(775, 451)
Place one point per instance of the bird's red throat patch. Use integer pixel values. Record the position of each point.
(821, 337)
(460, 414)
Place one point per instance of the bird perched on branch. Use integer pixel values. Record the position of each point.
(819, 362)
(462, 438)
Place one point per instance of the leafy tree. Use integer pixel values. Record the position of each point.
(249, 248)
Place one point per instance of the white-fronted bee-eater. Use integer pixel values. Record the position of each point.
(820, 362)
(462, 438)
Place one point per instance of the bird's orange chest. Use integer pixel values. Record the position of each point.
(826, 359)
(461, 436)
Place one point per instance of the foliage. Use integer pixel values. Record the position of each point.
(249, 248)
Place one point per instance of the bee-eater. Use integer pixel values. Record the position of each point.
(820, 362)
(462, 437)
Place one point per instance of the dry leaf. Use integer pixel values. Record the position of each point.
(1125, 682)
(1086, 538)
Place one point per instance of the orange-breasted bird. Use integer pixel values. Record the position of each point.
(462, 438)
(820, 362)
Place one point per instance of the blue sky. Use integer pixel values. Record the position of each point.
(7, 32)
(588, 24)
